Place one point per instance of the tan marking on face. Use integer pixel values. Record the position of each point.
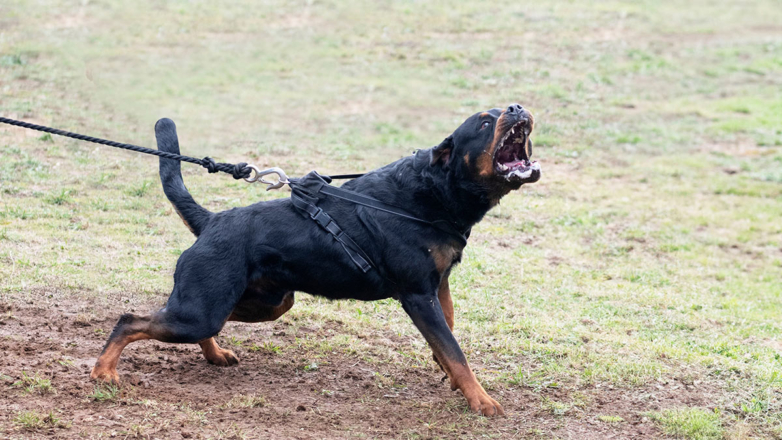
(485, 162)
(467, 158)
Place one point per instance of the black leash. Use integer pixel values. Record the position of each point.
(239, 171)
(304, 192)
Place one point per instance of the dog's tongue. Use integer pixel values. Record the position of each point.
(515, 164)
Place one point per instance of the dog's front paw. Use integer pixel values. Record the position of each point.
(109, 375)
(483, 404)
(222, 358)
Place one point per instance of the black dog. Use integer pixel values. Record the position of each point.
(247, 262)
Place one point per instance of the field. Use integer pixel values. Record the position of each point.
(635, 291)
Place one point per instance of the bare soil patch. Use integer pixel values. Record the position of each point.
(170, 391)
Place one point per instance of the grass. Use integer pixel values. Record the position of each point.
(649, 251)
(33, 420)
(246, 401)
(690, 423)
(104, 392)
(610, 419)
(268, 347)
(35, 384)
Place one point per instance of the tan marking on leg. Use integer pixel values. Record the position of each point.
(446, 303)
(444, 256)
(263, 314)
(216, 355)
(444, 295)
(464, 379)
(105, 368)
(280, 310)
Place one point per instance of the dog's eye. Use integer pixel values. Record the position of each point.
(485, 124)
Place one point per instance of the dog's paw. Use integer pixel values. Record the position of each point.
(109, 375)
(222, 358)
(483, 404)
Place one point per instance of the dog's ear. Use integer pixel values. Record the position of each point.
(442, 153)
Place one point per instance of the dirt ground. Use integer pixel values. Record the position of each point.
(170, 391)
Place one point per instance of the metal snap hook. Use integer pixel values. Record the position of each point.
(282, 178)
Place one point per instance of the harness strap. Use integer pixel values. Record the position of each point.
(306, 192)
(346, 176)
(361, 199)
(326, 222)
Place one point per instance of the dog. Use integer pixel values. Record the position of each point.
(247, 262)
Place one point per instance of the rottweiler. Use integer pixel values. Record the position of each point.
(247, 262)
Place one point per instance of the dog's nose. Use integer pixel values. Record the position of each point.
(515, 108)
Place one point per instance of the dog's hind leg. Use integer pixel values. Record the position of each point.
(165, 326)
(216, 355)
(256, 308)
(249, 309)
(196, 311)
(129, 328)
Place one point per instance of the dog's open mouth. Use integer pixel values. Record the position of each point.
(512, 158)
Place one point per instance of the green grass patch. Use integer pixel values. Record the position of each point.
(61, 197)
(33, 420)
(104, 392)
(35, 384)
(690, 423)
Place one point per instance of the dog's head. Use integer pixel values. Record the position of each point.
(491, 148)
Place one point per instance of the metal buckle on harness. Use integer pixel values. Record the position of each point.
(282, 178)
(322, 218)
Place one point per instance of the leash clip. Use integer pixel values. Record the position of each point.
(282, 178)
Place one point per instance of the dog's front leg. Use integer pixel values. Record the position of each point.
(427, 315)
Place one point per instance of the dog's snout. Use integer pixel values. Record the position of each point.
(515, 109)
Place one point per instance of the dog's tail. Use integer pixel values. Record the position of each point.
(194, 215)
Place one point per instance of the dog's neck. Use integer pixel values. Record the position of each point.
(464, 200)
(430, 192)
